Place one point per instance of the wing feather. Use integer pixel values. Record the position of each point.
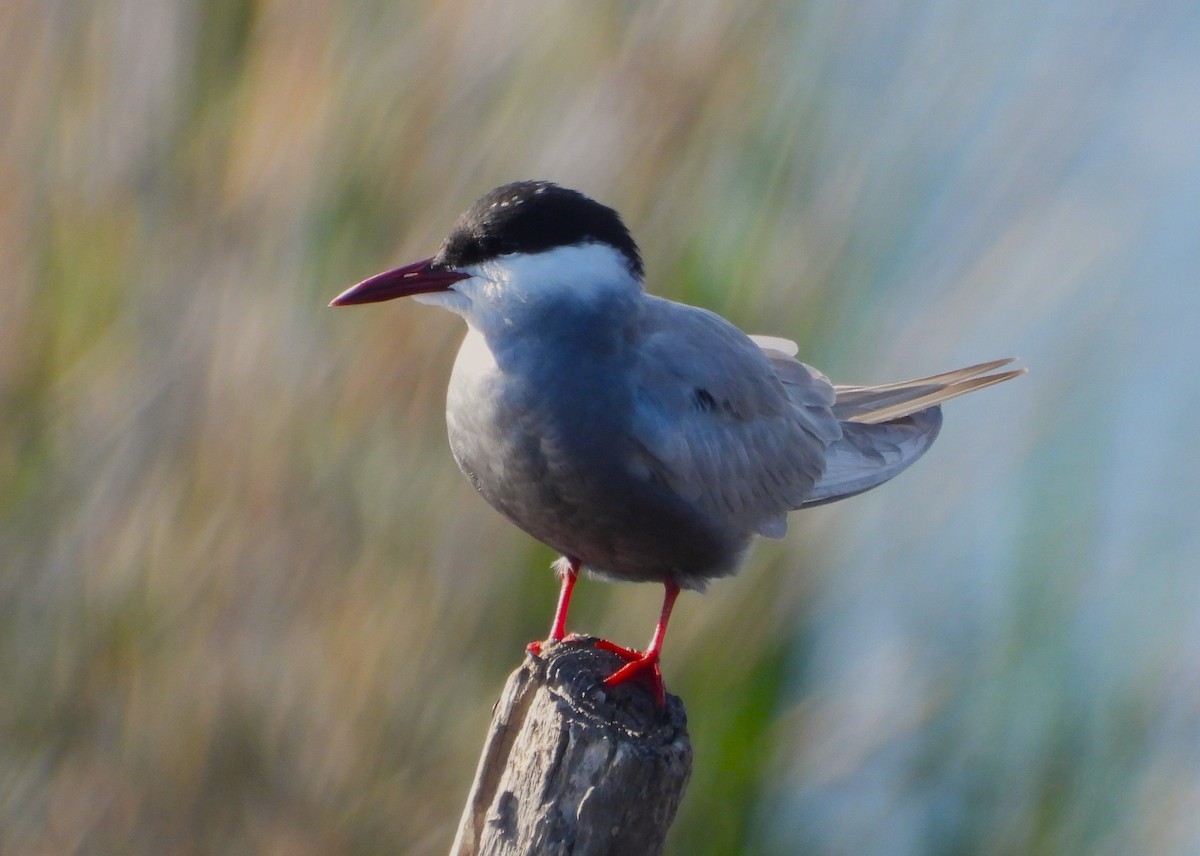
(874, 405)
(736, 430)
(744, 431)
(869, 455)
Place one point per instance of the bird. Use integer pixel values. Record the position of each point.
(644, 440)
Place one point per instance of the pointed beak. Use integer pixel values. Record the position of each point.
(417, 278)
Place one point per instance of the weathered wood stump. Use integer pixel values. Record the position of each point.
(573, 768)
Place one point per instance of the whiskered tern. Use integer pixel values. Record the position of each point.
(645, 440)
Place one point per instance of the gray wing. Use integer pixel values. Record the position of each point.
(866, 456)
(739, 431)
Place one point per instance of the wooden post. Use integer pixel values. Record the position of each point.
(572, 768)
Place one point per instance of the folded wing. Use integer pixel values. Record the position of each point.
(744, 431)
(739, 432)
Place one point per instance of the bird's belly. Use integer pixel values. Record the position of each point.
(575, 485)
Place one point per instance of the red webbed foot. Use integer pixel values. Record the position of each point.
(627, 654)
(638, 665)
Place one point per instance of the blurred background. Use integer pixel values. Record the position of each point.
(247, 602)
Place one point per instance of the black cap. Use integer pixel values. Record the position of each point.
(533, 217)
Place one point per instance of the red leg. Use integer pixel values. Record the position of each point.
(558, 627)
(568, 572)
(649, 660)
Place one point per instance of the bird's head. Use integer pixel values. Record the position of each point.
(522, 249)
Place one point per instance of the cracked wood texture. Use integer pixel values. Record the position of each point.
(573, 768)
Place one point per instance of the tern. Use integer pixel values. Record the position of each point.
(643, 439)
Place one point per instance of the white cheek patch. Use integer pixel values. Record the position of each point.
(498, 291)
(587, 272)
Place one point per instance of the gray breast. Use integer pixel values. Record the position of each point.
(552, 452)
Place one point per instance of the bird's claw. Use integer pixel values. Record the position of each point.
(638, 665)
(627, 654)
(538, 645)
